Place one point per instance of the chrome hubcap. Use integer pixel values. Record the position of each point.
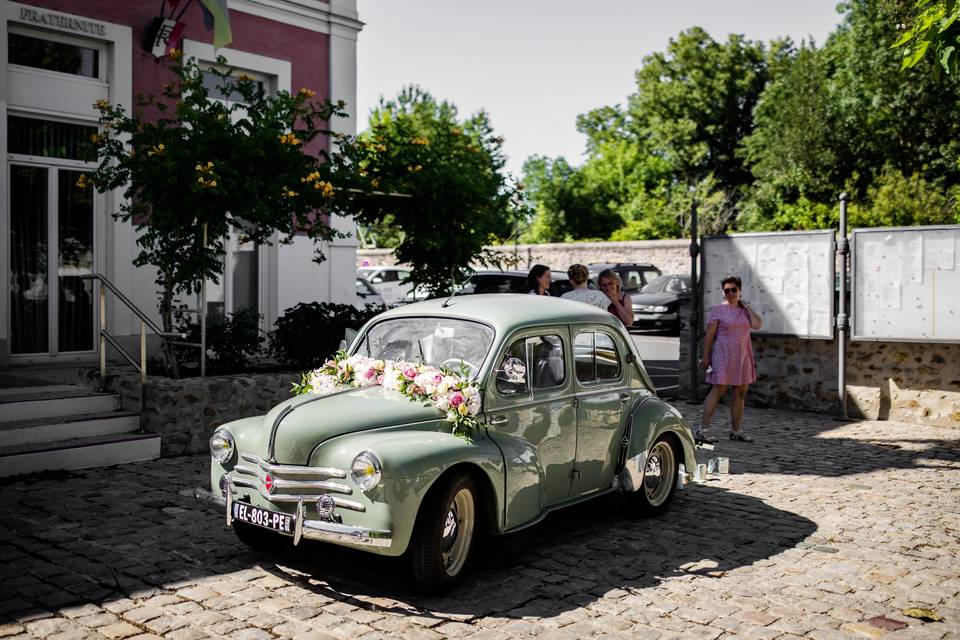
(658, 474)
(457, 532)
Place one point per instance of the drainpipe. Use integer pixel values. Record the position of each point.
(843, 250)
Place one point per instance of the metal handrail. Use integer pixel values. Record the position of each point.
(105, 335)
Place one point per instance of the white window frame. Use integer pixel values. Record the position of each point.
(103, 53)
(276, 75)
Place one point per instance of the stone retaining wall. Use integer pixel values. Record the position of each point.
(905, 381)
(670, 256)
(185, 412)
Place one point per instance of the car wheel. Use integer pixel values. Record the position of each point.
(659, 479)
(444, 534)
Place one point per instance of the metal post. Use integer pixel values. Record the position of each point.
(203, 315)
(143, 352)
(103, 340)
(694, 304)
(843, 250)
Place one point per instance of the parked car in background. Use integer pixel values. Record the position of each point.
(367, 295)
(657, 306)
(562, 410)
(388, 281)
(514, 281)
(417, 294)
(493, 281)
(633, 274)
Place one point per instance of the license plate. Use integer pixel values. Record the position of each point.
(273, 520)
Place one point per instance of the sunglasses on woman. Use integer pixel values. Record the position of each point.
(731, 290)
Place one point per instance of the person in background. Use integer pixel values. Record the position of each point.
(538, 280)
(728, 358)
(618, 303)
(578, 275)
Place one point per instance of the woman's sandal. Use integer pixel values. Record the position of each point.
(740, 436)
(700, 437)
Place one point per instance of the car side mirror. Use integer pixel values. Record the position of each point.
(348, 336)
(631, 358)
(512, 371)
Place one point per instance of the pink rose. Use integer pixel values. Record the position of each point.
(409, 373)
(380, 379)
(370, 373)
(438, 378)
(456, 399)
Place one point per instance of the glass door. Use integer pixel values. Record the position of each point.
(51, 244)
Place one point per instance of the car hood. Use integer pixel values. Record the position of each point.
(654, 298)
(308, 420)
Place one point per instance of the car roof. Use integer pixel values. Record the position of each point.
(508, 311)
(374, 267)
(498, 272)
(614, 265)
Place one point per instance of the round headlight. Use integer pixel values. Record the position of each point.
(366, 470)
(222, 445)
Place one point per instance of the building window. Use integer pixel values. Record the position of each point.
(216, 85)
(53, 56)
(47, 138)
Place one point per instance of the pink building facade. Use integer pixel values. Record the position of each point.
(58, 57)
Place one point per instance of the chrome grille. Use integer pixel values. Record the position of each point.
(292, 483)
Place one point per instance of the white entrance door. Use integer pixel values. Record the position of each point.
(51, 244)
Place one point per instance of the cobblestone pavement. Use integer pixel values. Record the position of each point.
(823, 529)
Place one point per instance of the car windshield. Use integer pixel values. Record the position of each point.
(440, 342)
(655, 285)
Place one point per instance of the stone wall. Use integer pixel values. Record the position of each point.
(670, 256)
(904, 381)
(185, 412)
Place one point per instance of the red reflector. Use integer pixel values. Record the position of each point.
(268, 483)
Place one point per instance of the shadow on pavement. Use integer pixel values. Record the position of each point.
(133, 531)
(797, 443)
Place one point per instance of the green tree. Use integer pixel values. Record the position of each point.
(933, 27)
(457, 196)
(677, 138)
(187, 163)
(566, 206)
(842, 118)
(694, 104)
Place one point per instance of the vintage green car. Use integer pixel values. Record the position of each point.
(565, 412)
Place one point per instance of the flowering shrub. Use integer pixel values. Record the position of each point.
(452, 393)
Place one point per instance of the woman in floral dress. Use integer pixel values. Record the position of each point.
(728, 358)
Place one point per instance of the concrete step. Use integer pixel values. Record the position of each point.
(53, 401)
(80, 453)
(38, 431)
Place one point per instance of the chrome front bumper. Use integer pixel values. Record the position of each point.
(310, 529)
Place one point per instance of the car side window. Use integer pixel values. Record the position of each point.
(534, 363)
(596, 357)
(389, 275)
(632, 279)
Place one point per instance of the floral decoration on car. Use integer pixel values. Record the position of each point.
(452, 393)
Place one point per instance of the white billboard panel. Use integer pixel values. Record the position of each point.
(906, 284)
(788, 278)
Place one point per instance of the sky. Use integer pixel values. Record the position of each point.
(535, 65)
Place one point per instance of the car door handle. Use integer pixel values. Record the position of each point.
(496, 420)
(624, 397)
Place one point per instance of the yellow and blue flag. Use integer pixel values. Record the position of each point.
(216, 17)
